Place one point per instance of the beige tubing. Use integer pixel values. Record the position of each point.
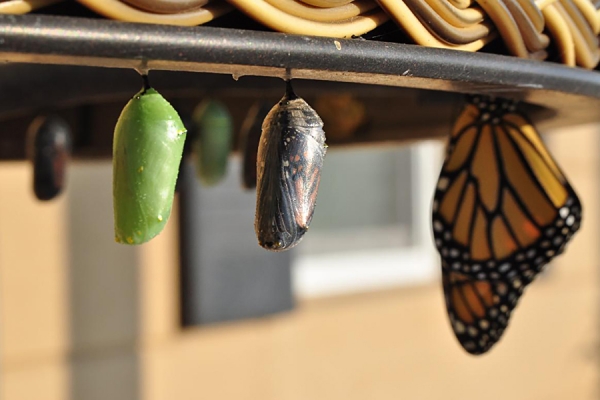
(534, 13)
(442, 29)
(462, 4)
(118, 10)
(23, 6)
(544, 3)
(583, 55)
(506, 25)
(326, 3)
(167, 6)
(415, 29)
(455, 16)
(589, 13)
(332, 14)
(580, 23)
(278, 20)
(560, 32)
(534, 40)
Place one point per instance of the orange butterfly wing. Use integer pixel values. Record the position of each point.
(479, 310)
(502, 210)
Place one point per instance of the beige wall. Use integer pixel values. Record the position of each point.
(101, 322)
(34, 336)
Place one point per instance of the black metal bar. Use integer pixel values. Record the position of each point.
(569, 96)
(74, 41)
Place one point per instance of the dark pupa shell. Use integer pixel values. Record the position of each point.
(213, 141)
(147, 150)
(250, 136)
(48, 149)
(290, 157)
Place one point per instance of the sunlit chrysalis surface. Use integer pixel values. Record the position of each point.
(250, 139)
(147, 149)
(49, 150)
(213, 141)
(290, 157)
(502, 210)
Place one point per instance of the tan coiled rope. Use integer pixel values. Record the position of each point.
(528, 28)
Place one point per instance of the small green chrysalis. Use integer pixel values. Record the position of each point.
(147, 150)
(212, 145)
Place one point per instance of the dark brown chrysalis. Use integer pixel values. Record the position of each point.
(49, 149)
(290, 157)
(250, 134)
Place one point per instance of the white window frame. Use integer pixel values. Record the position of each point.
(336, 273)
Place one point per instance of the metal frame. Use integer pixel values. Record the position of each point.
(95, 58)
(104, 43)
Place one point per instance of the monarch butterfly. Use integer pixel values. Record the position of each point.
(502, 210)
(290, 157)
(49, 149)
(147, 149)
(212, 144)
(250, 133)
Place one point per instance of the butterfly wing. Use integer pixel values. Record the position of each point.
(502, 209)
(479, 310)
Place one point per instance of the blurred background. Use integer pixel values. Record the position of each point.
(354, 312)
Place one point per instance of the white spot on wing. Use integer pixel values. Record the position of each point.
(443, 183)
(563, 212)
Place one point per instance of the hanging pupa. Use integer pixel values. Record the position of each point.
(250, 139)
(213, 141)
(290, 157)
(147, 149)
(49, 149)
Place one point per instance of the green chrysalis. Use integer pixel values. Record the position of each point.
(147, 150)
(213, 142)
